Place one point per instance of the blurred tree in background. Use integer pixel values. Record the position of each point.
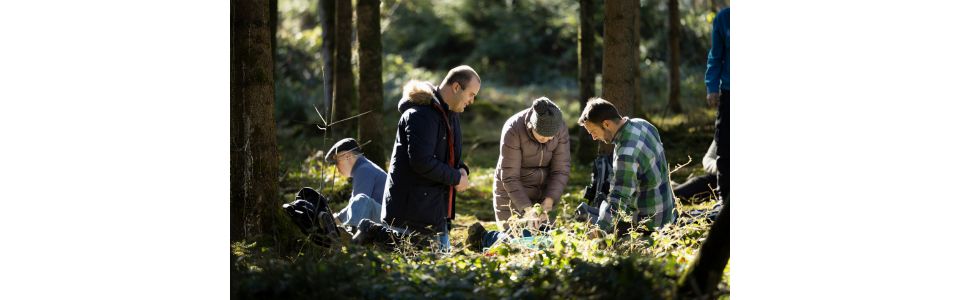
(371, 81)
(619, 58)
(299, 63)
(325, 11)
(527, 45)
(673, 27)
(344, 88)
(586, 149)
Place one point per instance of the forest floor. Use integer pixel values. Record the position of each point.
(577, 264)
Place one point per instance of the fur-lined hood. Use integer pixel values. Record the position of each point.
(417, 92)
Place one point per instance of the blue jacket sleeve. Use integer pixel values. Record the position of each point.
(715, 58)
(421, 138)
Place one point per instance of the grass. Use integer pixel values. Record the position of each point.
(579, 264)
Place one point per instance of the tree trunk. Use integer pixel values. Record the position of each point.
(706, 270)
(371, 80)
(254, 200)
(619, 57)
(638, 82)
(344, 97)
(325, 10)
(274, 15)
(673, 39)
(586, 148)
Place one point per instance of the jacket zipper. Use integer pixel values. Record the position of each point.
(543, 177)
(541, 157)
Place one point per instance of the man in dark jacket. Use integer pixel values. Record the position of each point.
(426, 169)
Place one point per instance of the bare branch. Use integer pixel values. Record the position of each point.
(319, 114)
(683, 165)
(353, 117)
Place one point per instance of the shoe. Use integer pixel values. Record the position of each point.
(475, 237)
(585, 213)
(545, 227)
(580, 214)
(369, 232)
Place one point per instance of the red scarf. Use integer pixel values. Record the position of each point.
(450, 160)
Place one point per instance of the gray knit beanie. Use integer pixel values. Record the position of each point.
(546, 119)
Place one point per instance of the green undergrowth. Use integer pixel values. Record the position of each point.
(580, 263)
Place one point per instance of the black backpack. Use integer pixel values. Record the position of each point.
(599, 186)
(312, 215)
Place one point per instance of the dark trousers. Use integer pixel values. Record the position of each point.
(706, 269)
(698, 187)
(722, 136)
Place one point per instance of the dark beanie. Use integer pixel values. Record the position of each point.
(546, 119)
(343, 145)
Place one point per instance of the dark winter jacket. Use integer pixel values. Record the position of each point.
(419, 193)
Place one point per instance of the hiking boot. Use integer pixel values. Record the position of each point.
(475, 237)
(586, 213)
(580, 214)
(369, 232)
(545, 227)
(359, 236)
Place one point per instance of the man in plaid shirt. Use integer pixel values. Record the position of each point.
(640, 186)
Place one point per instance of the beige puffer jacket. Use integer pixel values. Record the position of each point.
(528, 171)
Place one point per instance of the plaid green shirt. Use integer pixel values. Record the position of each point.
(641, 177)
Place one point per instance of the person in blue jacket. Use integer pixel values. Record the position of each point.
(368, 182)
(717, 79)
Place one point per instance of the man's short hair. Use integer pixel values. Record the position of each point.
(462, 75)
(598, 110)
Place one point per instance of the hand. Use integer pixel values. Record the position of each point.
(547, 204)
(464, 181)
(533, 217)
(544, 219)
(713, 99)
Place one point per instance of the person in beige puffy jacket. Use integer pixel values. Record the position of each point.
(534, 162)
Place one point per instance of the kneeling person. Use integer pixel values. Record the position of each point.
(534, 163)
(533, 169)
(426, 165)
(640, 186)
